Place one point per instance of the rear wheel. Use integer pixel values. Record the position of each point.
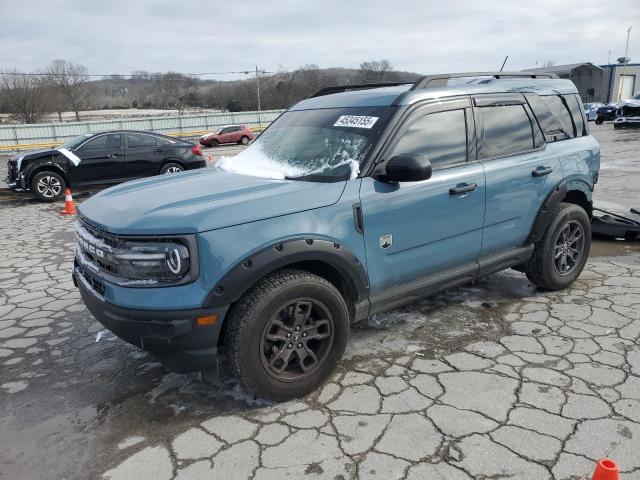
(244, 140)
(171, 168)
(287, 334)
(599, 121)
(48, 186)
(560, 255)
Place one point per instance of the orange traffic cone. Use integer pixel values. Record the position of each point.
(69, 206)
(606, 469)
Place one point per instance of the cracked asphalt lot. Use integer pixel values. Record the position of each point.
(492, 380)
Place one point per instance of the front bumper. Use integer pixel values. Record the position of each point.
(171, 336)
(628, 120)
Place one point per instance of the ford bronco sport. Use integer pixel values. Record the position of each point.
(354, 201)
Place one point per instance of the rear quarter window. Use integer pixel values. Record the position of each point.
(553, 116)
(575, 108)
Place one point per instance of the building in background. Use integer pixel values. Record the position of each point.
(602, 83)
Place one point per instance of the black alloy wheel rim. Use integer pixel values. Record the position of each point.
(49, 186)
(297, 339)
(568, 248)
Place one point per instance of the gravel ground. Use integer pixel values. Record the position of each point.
(493, 380)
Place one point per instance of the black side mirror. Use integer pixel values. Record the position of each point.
(406, 167)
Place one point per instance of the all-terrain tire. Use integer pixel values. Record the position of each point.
(246, 330)
(48, 186)
(541, 269)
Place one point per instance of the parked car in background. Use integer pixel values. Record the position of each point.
(100, 158)
(591, 110)
(607, 113)
(240, 134)
(628, 113)
(350, 203)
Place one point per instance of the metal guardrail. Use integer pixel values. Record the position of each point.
(191, 134)
(43, 135)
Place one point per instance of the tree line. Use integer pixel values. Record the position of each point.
(64, 86)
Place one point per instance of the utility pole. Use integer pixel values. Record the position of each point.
(258, 84)
(624, 66)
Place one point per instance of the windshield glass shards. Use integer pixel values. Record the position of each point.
(317, 145)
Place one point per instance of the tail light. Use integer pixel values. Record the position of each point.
(196, 150)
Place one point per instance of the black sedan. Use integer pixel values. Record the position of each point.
(607, 113)
(100, 158)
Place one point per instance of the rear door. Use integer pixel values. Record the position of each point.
(521, 169)
(101, 159)
(143, 154)
(413, 230)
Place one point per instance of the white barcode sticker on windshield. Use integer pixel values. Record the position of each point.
(355, 121)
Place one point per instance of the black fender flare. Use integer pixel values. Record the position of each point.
(244, 274)
(544, 214)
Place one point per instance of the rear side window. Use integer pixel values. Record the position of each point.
(507, 130)
(575, 107)
(441, 136)
(135, 140)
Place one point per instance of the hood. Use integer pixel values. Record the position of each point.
(201, 200)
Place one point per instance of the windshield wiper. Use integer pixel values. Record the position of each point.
(316, 177)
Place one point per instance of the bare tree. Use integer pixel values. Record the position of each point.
(72, 82)
(311, 78)
(376, 71)
(25, 96)
(176, 90)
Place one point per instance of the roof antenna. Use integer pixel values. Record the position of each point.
(503, 63)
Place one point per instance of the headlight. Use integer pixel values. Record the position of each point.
(137, 261)
(151, 262)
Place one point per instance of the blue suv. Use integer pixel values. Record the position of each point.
(354, 201)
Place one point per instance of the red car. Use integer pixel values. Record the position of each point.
(240, 134)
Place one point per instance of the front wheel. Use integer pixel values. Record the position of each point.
(48, 186)
(287, 334)
(244, 140)
(561, 253)
(171, 168)
(599, 121)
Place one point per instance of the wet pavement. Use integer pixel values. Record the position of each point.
(492, 380)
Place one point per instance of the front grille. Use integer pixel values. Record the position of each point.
(630, 111)
(95, 245)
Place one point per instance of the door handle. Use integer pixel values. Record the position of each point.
(463, 188)
(541, 171)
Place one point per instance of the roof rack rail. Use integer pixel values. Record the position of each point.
(357, 86)
(440, 80)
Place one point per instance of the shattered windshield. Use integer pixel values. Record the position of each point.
(317, 145)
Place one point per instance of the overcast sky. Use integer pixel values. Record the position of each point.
(424, 36)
